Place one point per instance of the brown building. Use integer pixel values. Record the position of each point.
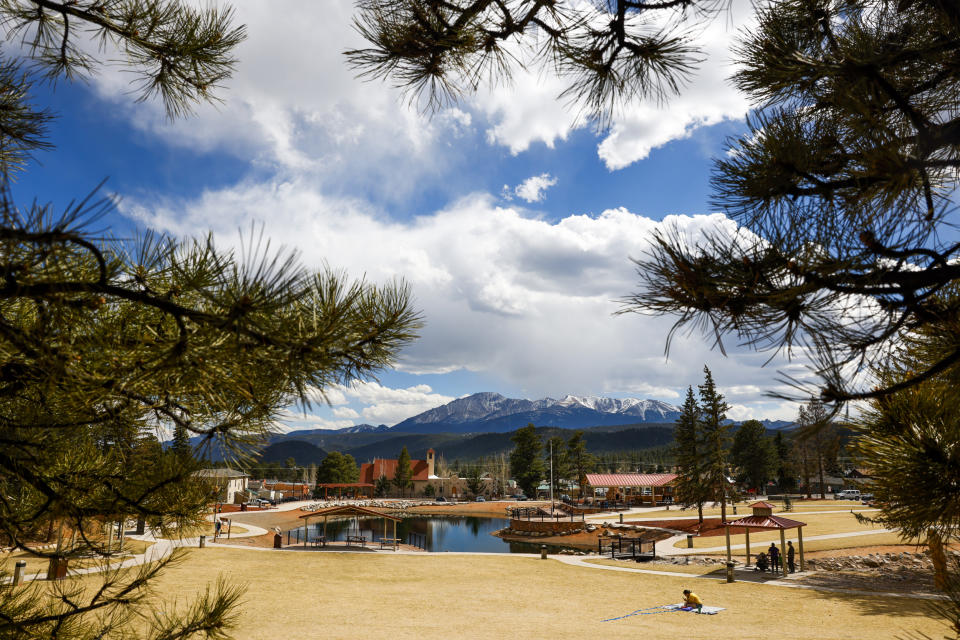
(423, 472)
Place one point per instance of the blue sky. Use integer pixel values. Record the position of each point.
(517, 283)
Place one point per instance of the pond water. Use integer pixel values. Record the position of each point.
(462, 533)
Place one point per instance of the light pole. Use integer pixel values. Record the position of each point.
(551, 477)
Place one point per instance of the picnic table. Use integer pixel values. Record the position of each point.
(356, 540)
(320, 541)
(390, 542)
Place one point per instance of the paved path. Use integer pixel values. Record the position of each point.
(584, 562)
(667, 548)
(160, 548)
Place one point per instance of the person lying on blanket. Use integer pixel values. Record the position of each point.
(692, 600)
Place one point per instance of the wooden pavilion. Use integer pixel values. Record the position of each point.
(764, 520)
(635, 488)
(355, 512)
(356, 488)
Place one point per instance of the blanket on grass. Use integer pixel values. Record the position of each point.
(667, 608)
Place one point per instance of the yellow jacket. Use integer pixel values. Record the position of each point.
(692, 600)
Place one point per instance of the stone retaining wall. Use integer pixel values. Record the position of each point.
(545, 527)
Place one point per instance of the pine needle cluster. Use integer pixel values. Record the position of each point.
(845, 189)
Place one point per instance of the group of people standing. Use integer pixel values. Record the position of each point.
(773, 559)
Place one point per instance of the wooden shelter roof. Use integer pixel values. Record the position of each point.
(350, 510)
(630, 479)
(765, 522)
(344, 485)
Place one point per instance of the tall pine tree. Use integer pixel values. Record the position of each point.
(716, 440)
(690, 488)
(403, 476)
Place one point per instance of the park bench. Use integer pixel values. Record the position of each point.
(389, 542)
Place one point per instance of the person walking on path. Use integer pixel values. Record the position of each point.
(790, 555)
(774, 554)
(692, 600)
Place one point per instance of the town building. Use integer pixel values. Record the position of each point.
(230, 485)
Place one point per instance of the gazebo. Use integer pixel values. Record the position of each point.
(764, 519)
(356, 512)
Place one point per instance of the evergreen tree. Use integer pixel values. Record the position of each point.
(820, 438)
(338, 468)
(691, 487)
(475, 483)
(526, 461)
(845, 185)
(753, 453)
(381, 487)
(607, 53)
(581, 462)
(910, 441)
(403, 476)
(180, 445)
(105, 343)
(716, 440)
(786, 476)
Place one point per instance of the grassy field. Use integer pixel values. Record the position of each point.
(692, 569)
(333, 595)
(817, 525)
(834, 544)
(742, 510)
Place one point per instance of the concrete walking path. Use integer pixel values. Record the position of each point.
(584, 562)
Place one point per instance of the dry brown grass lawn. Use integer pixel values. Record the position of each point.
(834, 544)
(817, 525)
(693, 569)
(742, 509)
(332, 595)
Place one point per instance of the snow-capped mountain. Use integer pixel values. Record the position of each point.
(492, 412)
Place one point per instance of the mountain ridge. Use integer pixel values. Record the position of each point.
(490, 412)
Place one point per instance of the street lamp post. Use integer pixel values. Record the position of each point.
(551, 477)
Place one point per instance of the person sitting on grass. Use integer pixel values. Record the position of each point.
(692, 600)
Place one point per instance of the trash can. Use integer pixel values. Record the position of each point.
(277, 541)
(729, 572)
(543, 552)
(689, 541)
(203, 541)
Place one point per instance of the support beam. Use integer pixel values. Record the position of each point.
(727, 528)
(803, 563)
(783, 552)
(747, 530)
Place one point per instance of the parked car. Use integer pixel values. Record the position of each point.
(847, 494)
(481, 499)
(441, 499)
(522, 498)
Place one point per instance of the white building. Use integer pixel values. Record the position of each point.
(230, 484)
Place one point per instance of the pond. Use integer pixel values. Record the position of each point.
(434, 533)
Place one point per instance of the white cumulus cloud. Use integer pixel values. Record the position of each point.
(533, 189)
(524, 300)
